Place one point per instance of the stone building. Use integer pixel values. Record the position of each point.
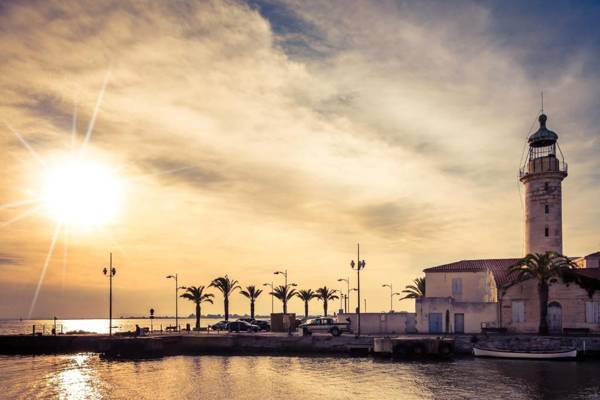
(464, 296)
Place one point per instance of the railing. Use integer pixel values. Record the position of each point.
(542, 165)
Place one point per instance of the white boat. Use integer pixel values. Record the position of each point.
(531, 355)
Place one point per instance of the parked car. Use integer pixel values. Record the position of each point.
(263, 325)
(242, 326)
(219, 326)
(325, 325)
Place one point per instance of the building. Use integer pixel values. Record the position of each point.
(467, 295)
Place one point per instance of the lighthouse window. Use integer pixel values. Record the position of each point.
(546, 231)
(547, 209)
(546, 185)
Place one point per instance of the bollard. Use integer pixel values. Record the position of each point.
(33, 332)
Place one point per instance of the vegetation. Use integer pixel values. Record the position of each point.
(284, 293)
(227, 287)
(416, 290)
(251, 292)
(324, 294)
(542, 267)
(306, 296)
(197, 295)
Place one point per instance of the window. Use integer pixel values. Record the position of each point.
(592, 312)
(547, 209)
(456, 286)
(546, 231)
(518, 311)
(546, 186)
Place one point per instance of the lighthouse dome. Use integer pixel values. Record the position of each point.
(543, 137)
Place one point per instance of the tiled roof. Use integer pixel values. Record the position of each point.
(594, 254)
(499, 267)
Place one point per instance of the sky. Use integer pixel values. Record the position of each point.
(242, 138)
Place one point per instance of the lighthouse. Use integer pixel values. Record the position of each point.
(542, 175)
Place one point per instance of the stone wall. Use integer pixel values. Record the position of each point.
(572, 300)
(476, 286)
(541, 190)
(475, 314)
(382, 323)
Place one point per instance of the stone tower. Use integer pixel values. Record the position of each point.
(542, 176)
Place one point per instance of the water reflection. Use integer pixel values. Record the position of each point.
(292, 378)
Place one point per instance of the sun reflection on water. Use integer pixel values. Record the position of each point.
(76, 380)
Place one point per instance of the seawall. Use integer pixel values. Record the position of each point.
(192, 344)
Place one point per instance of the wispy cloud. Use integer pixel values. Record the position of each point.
(265, 131)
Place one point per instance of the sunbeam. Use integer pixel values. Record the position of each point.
(74, 124)
(44, 268)
(26, 144)
(20, 216)
(19, 203)
(88, 133)
(66, 237)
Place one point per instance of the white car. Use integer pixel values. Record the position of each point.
(325, 325)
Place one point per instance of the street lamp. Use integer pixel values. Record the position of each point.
(284, 273)
(360, 264)
(177, 287)
(110, 272)
(389, 285)
(272, 297)
(347, 280)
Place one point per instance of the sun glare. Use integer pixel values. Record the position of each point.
(81, 192)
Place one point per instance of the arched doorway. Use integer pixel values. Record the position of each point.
(554, 317)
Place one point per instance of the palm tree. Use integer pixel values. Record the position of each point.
(197, 295)
(416, 290)
(252, 293)
(306, 296)
(226, 286)
(325, 295)
(284, 293)
(542, 267)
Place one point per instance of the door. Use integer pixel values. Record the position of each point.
(554, 317)
(435, 323)
(459, 323)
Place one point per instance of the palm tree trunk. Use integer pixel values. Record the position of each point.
(285, 306)
(305, 308)
(325, 307)
(252, 309)
(226, 306)
(197, 316)
(543, 294)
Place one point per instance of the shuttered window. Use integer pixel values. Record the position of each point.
(456, 286)
(518, 311)
(592, 312)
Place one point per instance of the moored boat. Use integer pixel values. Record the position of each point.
(560, 354)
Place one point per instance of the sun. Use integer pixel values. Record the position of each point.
(81, 192)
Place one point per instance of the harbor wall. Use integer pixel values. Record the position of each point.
(394, 323)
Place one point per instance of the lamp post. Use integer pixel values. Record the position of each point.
(272, 297)
(360, 264)
(110, 272)
(177, 287)
(284, 273)
(347, 280)
(392, 294)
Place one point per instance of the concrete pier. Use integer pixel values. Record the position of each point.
(163, 345)
(272, 343)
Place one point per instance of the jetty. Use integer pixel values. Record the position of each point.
(160, 345)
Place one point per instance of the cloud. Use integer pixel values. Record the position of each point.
(265, 130)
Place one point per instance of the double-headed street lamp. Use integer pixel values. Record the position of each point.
(347, 280)
(392, 294)
(360, 264)
(177, 287)
(110, 272)
(284, 273)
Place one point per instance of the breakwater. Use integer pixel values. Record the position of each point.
(240, 344)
